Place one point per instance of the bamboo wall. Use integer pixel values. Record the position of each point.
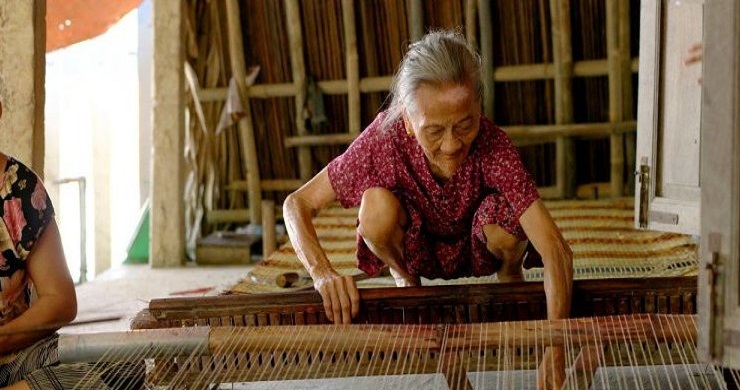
(561, 82)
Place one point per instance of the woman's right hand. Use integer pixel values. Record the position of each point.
(340, 296)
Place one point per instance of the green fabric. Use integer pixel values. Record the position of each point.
(138, 250)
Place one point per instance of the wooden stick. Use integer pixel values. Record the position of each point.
(353, 67)
(524, 72)
(415, 19)
(536, 134)
(295, 37)
(267, 185)
(227, 216)
(628, 109)
(562, 56)
(246, 129)
(486, 50)
(269, 241)
(471, 22)
(616, 95)
(542, 132)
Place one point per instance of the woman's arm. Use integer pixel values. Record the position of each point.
(558, 260)
(339, 294)
(57, 302)
(556, 256)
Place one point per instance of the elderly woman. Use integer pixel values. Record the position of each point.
(442, 191)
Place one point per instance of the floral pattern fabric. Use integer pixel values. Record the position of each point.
(25, 211)
(444, 238)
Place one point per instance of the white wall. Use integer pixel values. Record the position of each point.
(92, 129)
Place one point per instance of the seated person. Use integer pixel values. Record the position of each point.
(37, 295)
(442, 191)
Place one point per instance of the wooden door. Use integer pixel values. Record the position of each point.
(667, 194)
(719, 287)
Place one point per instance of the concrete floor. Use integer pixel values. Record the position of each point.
(108, 302)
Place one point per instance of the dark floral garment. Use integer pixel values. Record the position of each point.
(25, 210)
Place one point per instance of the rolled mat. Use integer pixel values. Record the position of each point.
(601, 234)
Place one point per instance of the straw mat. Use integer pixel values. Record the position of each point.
(601, 234)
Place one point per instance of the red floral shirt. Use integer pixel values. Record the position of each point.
(25, 211)
(390, 159)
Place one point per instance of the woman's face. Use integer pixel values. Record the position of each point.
(445, 123)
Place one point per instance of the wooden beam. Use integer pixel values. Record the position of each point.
(246, 128)
(353, 67)
(415, 12)
(563, 62)
(295, 37)
(535, 134)
(471, 22)
(269, 234)
(525, 72)
(486, 51)
(616, 95)
(267, 185)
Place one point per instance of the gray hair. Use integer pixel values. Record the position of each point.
(442, 56)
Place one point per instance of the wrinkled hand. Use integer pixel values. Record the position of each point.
(340, 296)
(551, 372)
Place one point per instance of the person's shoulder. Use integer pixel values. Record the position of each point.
(382, 127)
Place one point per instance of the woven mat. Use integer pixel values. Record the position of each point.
(601, 234)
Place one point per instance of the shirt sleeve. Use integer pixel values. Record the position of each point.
(505, 172)
(365, 164)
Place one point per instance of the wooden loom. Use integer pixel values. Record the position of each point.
(424, 311)
(273, 354)
(455, 304)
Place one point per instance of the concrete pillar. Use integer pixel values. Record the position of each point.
(22, 78)
(167, 246)
(146, 53)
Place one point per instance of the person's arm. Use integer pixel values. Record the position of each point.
(556, 256)
(339, 294)
(57, 302)
(558, 260)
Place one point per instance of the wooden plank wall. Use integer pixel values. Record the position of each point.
(560, 81)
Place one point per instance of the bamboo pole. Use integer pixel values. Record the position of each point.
(228, 216)
(353, 67)
(471, 22)
(563, 62)
(628, 110)
(571, 130)
(295, 37)
(320, 139)
(486, 50)
(246, 129)
(415, 19)
(616, 96)
(267, 185)
(524, 72)
(269, 241)
(538, 134)
(550, 192)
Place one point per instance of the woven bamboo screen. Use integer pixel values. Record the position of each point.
(561, 82)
